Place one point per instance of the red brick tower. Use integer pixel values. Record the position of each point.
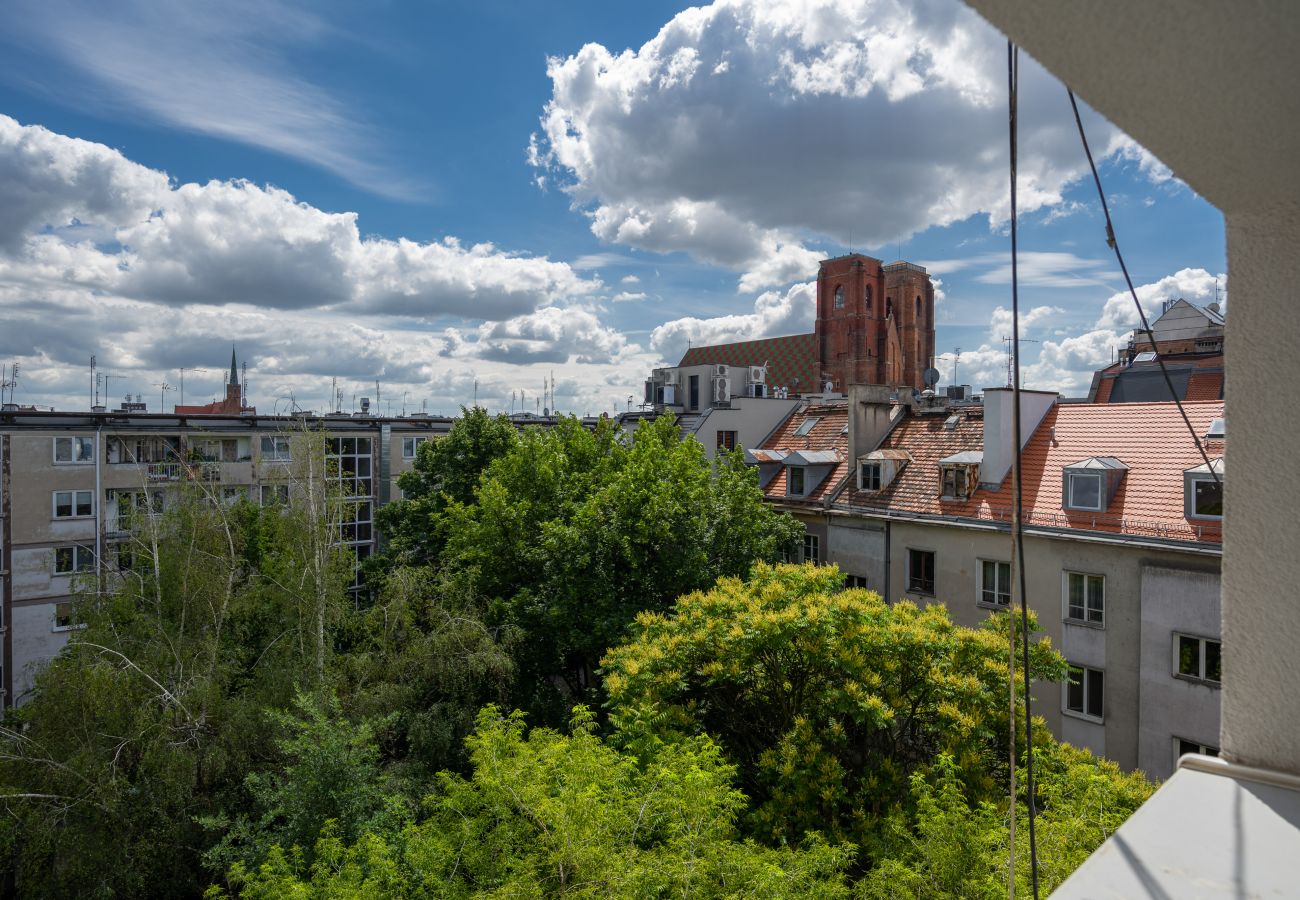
(875, 323)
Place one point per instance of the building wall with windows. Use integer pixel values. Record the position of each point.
(68, 479)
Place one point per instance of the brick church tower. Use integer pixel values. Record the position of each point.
(875, 323)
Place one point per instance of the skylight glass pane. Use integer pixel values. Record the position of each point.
(806, 426)
(1216, 430)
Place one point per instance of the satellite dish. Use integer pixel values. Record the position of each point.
(930, 376)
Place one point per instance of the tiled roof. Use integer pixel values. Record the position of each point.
(827, 435)
(1149, 438)
(789, 359)
(1205, 386)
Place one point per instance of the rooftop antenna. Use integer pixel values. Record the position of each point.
(476, 393)
(335, 397)
(11, 382)
(183, 370)
(1007, 339)
(376, 393)
(243, 384)
(94, 381)
(163, 387)
(403, 403)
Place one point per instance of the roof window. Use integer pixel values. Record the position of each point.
(1203, 491)
(1145, 356)
(878, 469)
(959, 474)
(951, 423)
(1090, 484)
(806, 426)
(1215, 431)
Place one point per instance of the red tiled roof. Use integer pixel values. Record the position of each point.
(916, 488)
(1205, 386)
(789, 359)
(827, 434)
(1149, 438)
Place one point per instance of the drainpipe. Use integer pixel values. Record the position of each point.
(888, 596)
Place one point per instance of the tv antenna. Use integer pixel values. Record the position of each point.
(183, 370)
(8, 383)
(163, 387)
(1006, 339)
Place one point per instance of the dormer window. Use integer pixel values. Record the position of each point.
(1203, 492)
(959, 474)
(795, 481)
(869, 476)
(1090, 485)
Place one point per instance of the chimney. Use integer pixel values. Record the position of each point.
(871, 416)
(999, 427)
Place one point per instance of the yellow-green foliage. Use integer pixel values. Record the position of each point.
(827, 699)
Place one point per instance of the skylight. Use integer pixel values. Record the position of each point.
(1216, 431)
(1145, 356)
(806, 426)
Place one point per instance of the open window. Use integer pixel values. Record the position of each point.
(959, 475)
(1090, 485)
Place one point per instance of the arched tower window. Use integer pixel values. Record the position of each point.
(889, 307)
(839, 297)
(918, 309)
(868, 303)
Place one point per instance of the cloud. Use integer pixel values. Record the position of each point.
(630, 279)
(775, 313)
(551, 335)
(629, 296)
(1000, 324)
(747, 132)
(1196, 286)
(219, 71)
(236, 242)
(1034, 268)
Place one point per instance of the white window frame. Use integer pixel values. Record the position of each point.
(1086, 694)
(857, 582)
(413, 443)
(73, 501)
(1069, 490)
(71, 625)
(1201, 749)
(1085, 618)
(813, 542)
(1202, 668)
(280, 450)
(78, 564)
(934, 572)
(76, 444)
(879, 479)
(806, 426)
(803, 481)
(1192, 481)
(981, 587)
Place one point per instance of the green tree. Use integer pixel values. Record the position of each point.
(446, 471)
(575, 531)
(827, 699)
(549, 815)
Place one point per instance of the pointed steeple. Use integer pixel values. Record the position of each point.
(234, 369)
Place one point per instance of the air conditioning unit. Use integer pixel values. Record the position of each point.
(719, 370)
(757, 374)
(721, 390)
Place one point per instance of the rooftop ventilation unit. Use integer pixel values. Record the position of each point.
(721, 389)
(757, 374)
(720, 370)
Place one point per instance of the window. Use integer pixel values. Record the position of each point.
(811, 548)
(806, 426)
(995, 583)
(70, 560)
(796, 481)
(410, 445)
(64, 617)
(920, 571)
(74, 450)
(1199, 658)
(695, 392)
(955, 481)
(74, 504)
(1083, 491)
(856, 581)
(869, 476)
(839, 297)
(1085, 598)
(275, 493)
(1206, 497)
(275, 448)
(1182, 746)
(726, 440)
(1084, 692)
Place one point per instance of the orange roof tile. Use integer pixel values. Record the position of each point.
(1205, 386)
(1149, 438)
(826, 434)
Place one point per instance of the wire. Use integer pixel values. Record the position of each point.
(1113, 243)
(1017, 531)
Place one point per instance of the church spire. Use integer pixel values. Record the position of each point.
(234, 371)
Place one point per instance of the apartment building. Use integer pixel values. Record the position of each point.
(1123, 541)
(68, 480)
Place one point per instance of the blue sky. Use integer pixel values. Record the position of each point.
(438, 195)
